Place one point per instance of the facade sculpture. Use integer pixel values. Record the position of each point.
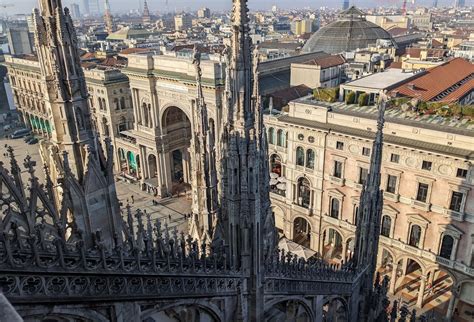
(67, 255)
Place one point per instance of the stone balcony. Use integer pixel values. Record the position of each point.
(420, 205)
(391, 196)
(339, 181)
(458, 216)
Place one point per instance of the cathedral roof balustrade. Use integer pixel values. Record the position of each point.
(51, 258)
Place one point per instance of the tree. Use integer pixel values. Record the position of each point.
(363, 99)
(350, 97)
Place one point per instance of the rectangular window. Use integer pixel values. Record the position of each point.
(338, 169)
(366, 152)
(395, 158)
(391, 184)
(426, 165)
(461, 173)
(422, 192)
(456, 201)
(363, 173)
(340, 145)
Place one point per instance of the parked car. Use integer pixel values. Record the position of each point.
(7, 127)
(33, 141)
(21, 133)
(28, 138)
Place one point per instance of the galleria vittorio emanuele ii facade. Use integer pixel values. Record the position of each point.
(70, 252)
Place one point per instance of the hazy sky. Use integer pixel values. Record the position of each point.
(25, 6)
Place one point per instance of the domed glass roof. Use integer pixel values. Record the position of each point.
(351, 31)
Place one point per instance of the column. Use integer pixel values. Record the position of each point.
(455, 246)
(421, 292)
(431, 278)
(393, 278)
(452, 304)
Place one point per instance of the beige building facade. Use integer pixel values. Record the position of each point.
(156, 151)
(109, 98)
(111, 103)
(321, 154)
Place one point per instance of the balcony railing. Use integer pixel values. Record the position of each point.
(420, 205)
(338, 181)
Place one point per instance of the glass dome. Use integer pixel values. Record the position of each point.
(351, 31)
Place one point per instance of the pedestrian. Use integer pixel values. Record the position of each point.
(133, 199)
(169, 217)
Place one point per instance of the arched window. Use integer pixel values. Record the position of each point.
(310, 156)
(271, 135)
(101, 107)
(275, 164)
(104, 104)
(105, 127)
(304, 192)
(122, 103)
(300, 156)
(415, 236)
(281, 138)
(116, 103)
(122, 126)
(335, 205)
(386, 225)
(447, 245)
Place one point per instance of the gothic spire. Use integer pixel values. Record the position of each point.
(74, 159)
(240, 68)
(204, 163)
(370, 212)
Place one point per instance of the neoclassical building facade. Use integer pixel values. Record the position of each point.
(156, 150)
(108, 94)
(319, 156)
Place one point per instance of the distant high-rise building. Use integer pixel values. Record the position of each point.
(204, 13)
(435, 3)
(183, 21)
(30, 23)
(146, 13)
(94, 7)
(345, 4)
(459, 3)
(75, 12)
(301, 26)
(274, 9)
(85, 9)
(20, 40)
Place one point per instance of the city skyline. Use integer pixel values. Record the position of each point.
(26, 6)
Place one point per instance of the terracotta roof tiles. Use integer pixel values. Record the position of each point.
(327, 61)
(437, 80)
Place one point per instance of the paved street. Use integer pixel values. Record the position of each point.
(170, 211)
